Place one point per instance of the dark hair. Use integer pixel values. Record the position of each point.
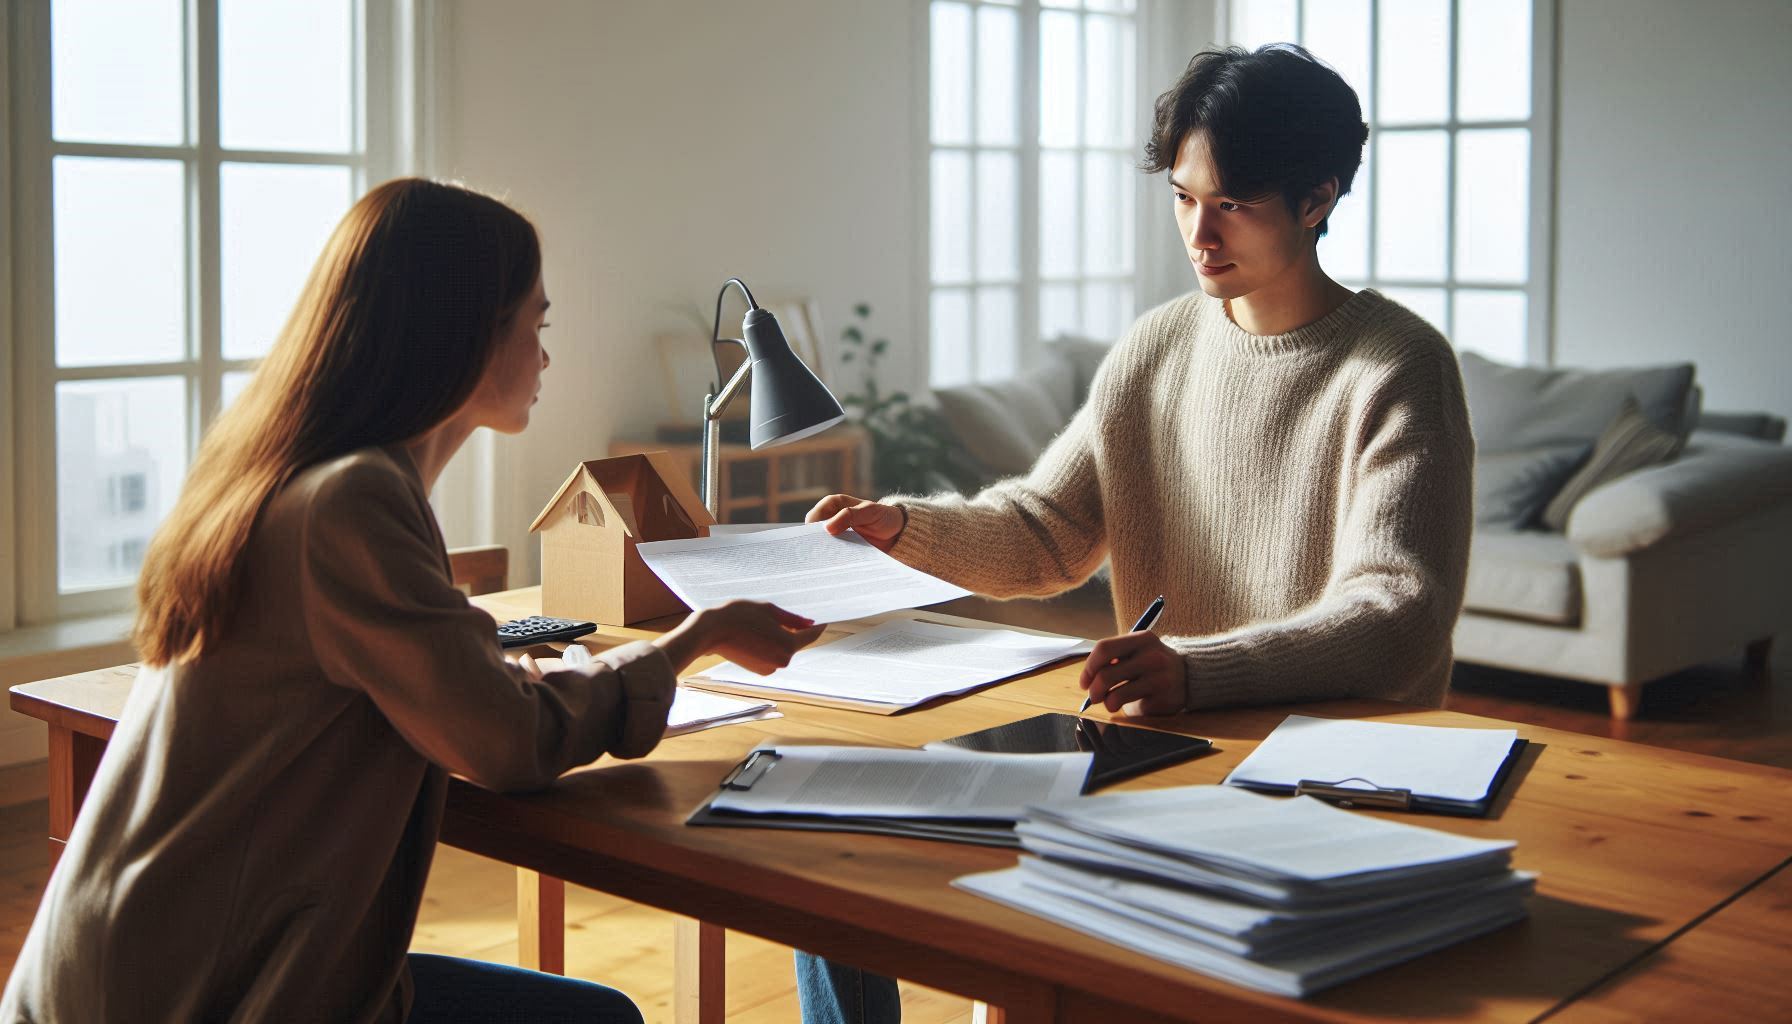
(1278, 120)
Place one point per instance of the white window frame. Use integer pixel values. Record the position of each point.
(1539, 275)
(1146, 16)
(385, 124)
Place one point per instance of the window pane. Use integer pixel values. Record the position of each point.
(951, 216)
(232, 387)
(1107, 214)
(1102, 114)
(1107, 309)
(1491, 323)
(997, 350)
(1344, 251)
(1337, 31)
(950, 346)
(1414, 57)
(1430, 303)
(1409, 205)
(116, 71)
(1255, 22)
(998, 44)
(1493, 208)
(121, 281)
(266, 49)
(1128, 76)
(949, 64)
(998, 217)
(1059, 311)
(1059, 3)
(1110, 5)
(1494, 61)
(1060, 63)
(120, 455)
(275, 222)
(1059, 248)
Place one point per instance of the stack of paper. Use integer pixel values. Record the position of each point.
(1283, 896)
(902, 663)
(695, 710)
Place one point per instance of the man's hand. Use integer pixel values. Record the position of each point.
(879, 524)
(755, 635)
(1138, 672)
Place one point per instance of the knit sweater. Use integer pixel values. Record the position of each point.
(1302, 501)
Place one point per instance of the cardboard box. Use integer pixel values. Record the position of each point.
(589, 566)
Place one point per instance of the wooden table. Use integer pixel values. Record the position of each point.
(1645, 854)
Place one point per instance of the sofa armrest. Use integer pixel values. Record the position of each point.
(1706, 487)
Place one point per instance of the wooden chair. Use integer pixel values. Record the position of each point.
(482, 570)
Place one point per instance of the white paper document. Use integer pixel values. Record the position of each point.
(899, 783)
(695, 710)
(905, 662)
(1431, 761)
(802, 569)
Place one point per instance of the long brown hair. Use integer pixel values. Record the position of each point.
(390, 336)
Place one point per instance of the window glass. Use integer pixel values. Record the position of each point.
(1344, 251)
(1060, 66)
(1492, 323)
(1337, 32)
(1493, 53)
(275, 222)
(116, 72)
(996, 349)
(120, 456)
(1060, 250)
(121, 259)
(1264, 21)
(1409, 205)
(951, 216)
(1431, 303)
(949, 71)
(286, 75)
(1414, 62)
(1493, 205)
(950, 346)
(998, 219)
(998, 46)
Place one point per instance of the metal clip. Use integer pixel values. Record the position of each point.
(1351, 796)
(751, 770)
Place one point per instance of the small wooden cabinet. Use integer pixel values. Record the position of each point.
(778, 484)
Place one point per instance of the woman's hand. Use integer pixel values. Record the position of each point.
(755, 635)
(1136, 671)
(879, 524)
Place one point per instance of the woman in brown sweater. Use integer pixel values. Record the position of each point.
(255, 842)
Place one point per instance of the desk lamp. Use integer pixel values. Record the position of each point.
(789, 401)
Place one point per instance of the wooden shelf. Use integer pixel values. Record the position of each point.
(774, 484)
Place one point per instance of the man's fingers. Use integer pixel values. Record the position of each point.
(826, 507)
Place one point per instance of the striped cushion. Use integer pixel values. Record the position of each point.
(1628, 444)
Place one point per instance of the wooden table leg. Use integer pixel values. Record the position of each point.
(540, 922)
(699, 972)
(73, 760)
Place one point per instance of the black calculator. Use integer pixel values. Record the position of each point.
(541, 629)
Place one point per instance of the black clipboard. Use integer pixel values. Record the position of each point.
(1359, 792)
(1121, 751)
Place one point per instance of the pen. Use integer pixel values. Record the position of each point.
(1145, 621)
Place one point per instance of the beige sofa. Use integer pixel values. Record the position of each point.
(1664, 568)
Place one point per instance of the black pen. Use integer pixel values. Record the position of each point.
(1144, 622)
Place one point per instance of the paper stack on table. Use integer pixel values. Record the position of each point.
(902, 663)
(1287, 896)
(692, 710)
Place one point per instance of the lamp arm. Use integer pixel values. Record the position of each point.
(715, 331)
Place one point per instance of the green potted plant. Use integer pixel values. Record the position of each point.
(912, 451)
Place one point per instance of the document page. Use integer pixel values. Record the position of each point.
(905, 662)
(905, 783)
(802, 569)
(695, 710)
(1434, 761)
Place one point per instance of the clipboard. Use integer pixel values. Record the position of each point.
(752, 768)
(1361, 792)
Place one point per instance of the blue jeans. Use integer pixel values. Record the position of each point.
(835, 993)
(450, 990)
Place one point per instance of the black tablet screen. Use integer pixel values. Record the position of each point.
(1120, 751)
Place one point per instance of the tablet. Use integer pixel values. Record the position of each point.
(1121, 751)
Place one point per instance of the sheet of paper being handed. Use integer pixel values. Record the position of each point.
(801, 569)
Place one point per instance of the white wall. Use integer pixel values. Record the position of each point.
(1674, 194)
(663, 146)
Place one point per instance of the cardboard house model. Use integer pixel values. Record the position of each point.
(589, 529)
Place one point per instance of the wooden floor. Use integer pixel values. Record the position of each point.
(468, 907)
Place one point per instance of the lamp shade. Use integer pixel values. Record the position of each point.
(789, 401)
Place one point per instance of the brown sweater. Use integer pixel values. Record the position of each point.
(255, 843)
(1302, 501)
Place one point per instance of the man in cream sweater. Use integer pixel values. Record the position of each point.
(1288, 462)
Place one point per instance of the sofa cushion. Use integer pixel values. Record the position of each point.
(1084, 356)
(1005, 425)
(1629, 444)
(1524, 574)
(1515, 408)
(1512, 487)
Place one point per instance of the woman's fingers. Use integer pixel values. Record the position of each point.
(826, 507)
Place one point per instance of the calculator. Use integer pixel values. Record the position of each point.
(541, 629)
